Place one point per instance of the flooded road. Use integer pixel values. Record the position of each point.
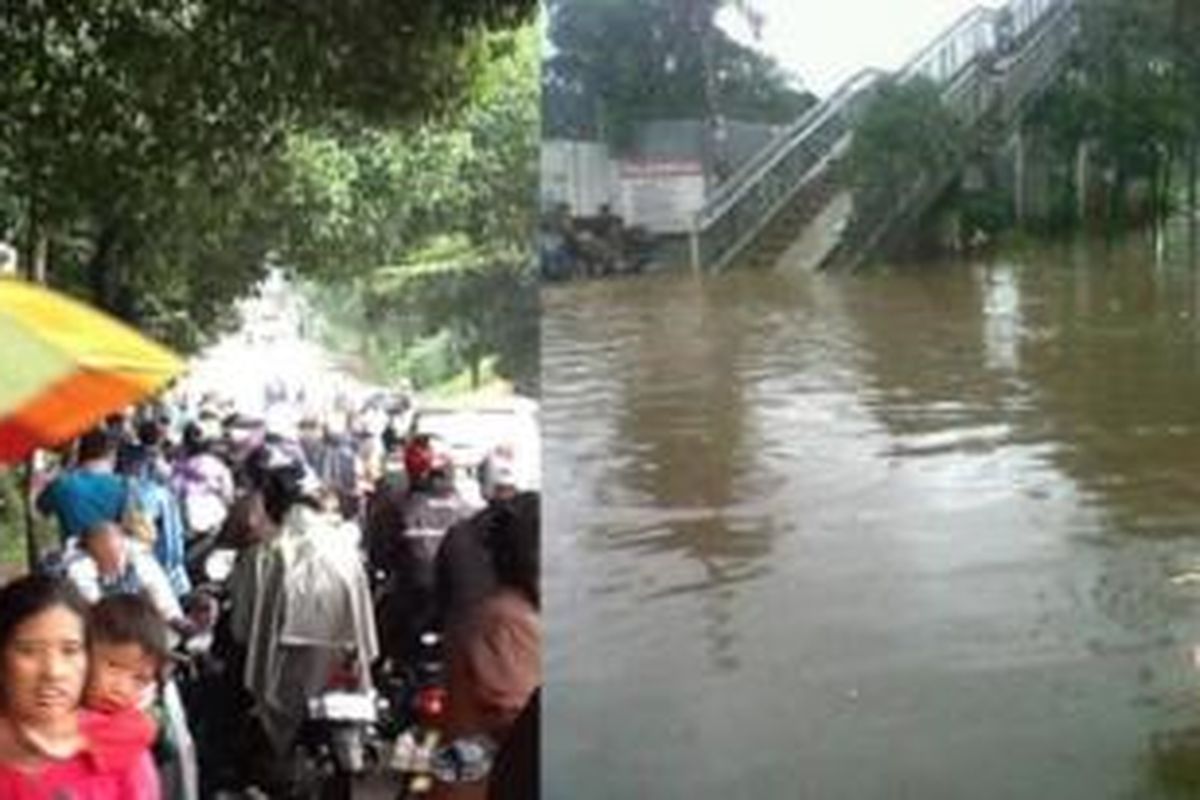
(928, 534)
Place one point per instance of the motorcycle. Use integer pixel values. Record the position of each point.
(417, 699)
(339, 741)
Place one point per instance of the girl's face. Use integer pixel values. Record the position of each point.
(121, 676)
(44, 666)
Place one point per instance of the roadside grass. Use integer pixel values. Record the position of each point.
(490, 384)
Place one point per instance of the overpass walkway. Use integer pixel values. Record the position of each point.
(788, 205)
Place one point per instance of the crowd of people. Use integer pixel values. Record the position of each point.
(346, 548)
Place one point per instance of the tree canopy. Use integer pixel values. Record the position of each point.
(905, 133)
(430, 229)
(138, 140)
(617, 62)
(1132, 91)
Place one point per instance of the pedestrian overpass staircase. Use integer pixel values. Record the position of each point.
(789, 204)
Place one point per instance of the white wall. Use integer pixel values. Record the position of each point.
(658, 194)
(661, 195)
(581, 174)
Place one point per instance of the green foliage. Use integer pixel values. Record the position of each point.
(904, 134)
(619, 62)
(1132, 93)
(484, 302)
(354, 200)
(435, 227)
(988, 211)
(12, 522)
(12, 525)
(141, 140)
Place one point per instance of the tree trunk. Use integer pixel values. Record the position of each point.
(36, 245)
(1158, 189)
(1019, 180)
(1116, 200)
(32, 552)
(1158, 205)
(41, 255)
(101, 269)
(1081, 195)
(476, 371)
(1191, 181)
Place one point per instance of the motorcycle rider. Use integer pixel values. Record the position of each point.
(408, 554)
(203, 482)
(300, 603)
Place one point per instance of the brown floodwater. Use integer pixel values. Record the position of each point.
(931, 533)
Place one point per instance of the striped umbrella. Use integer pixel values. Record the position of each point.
(64, 366)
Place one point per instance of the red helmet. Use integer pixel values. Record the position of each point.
(418, 459)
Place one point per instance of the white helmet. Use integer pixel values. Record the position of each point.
(497, 471)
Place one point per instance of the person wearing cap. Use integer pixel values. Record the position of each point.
(498, 476)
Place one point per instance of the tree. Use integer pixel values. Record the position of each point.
(618, 62)
(433, 225)
(904, 136)
(1132, 93)
(137, 139)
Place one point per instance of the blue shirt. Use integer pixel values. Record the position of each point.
(160, 505)
(82, 498)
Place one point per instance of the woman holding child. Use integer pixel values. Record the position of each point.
(50, 747)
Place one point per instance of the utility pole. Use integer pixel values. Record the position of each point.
(1020, 176)
(700, 19)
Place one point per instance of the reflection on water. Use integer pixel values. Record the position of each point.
(898, 535)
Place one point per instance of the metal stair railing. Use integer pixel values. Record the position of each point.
(746, 203)
(1034, 65)
(972, 94)
(954, 49)
(741, 207)
(749, 200)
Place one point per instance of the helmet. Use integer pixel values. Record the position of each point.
(497, 471)
(418, 458)
(286, 484)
